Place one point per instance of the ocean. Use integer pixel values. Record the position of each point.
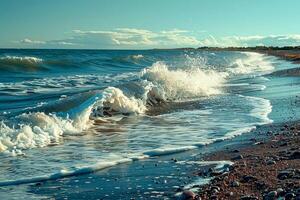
(69, 112)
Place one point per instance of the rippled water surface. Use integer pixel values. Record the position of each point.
(66, 111)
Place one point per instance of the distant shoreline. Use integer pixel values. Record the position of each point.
(256, 48)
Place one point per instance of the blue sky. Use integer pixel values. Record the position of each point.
(138, 24)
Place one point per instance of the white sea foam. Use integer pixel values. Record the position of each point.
(253, 62)
(262, 108)
(159, 83)
(114, 101)
(184, 83)
(139, 56)
(220, 166)
(238, 132)
(168, 150)
(39, 130)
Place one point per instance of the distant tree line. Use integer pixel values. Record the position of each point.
(256, 48)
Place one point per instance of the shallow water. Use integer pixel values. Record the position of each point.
(66, 112)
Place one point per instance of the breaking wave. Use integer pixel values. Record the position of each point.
(254, 62)
(159, 84)
(180, 84)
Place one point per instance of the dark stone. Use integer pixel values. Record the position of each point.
(228, 194)
(295, 155)
(248, 197)
(280, 192)
(260, 185)
(282, 144)
(271, 195)
(187, 195)
(289, 196)
(215, 188)
(270, 162)
(235, 184)
(214, 191)
(239, 157)
(215, 197)
(285, 174)
(249, 178)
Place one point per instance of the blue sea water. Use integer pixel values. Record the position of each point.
(66, 112)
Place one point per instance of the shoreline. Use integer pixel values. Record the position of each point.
(161, 177)
(268, 169)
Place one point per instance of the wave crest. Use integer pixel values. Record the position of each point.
(179, 84)
(254, 62)
(15, 63)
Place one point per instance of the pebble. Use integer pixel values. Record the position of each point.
(289, 196)
(295, 155)
(235, 184)
(228, 194)
(260, 185)
(248, 178)
(187, 195)
(258, 143)
(285, 174)
(215, 188)
(270, 162)
(279, 191)
(248, 197)
(272, 195)
(213, 197)
(239, 157)
(243, 164)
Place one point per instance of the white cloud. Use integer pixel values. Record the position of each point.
(255, 40)
(29, 41)
(136, 38)
(64, 43)
(131, 38)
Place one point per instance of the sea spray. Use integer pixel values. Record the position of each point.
(253, 62)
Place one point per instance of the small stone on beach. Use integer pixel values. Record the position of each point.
(187, 195)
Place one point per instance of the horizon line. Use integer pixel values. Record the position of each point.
(176, 48)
